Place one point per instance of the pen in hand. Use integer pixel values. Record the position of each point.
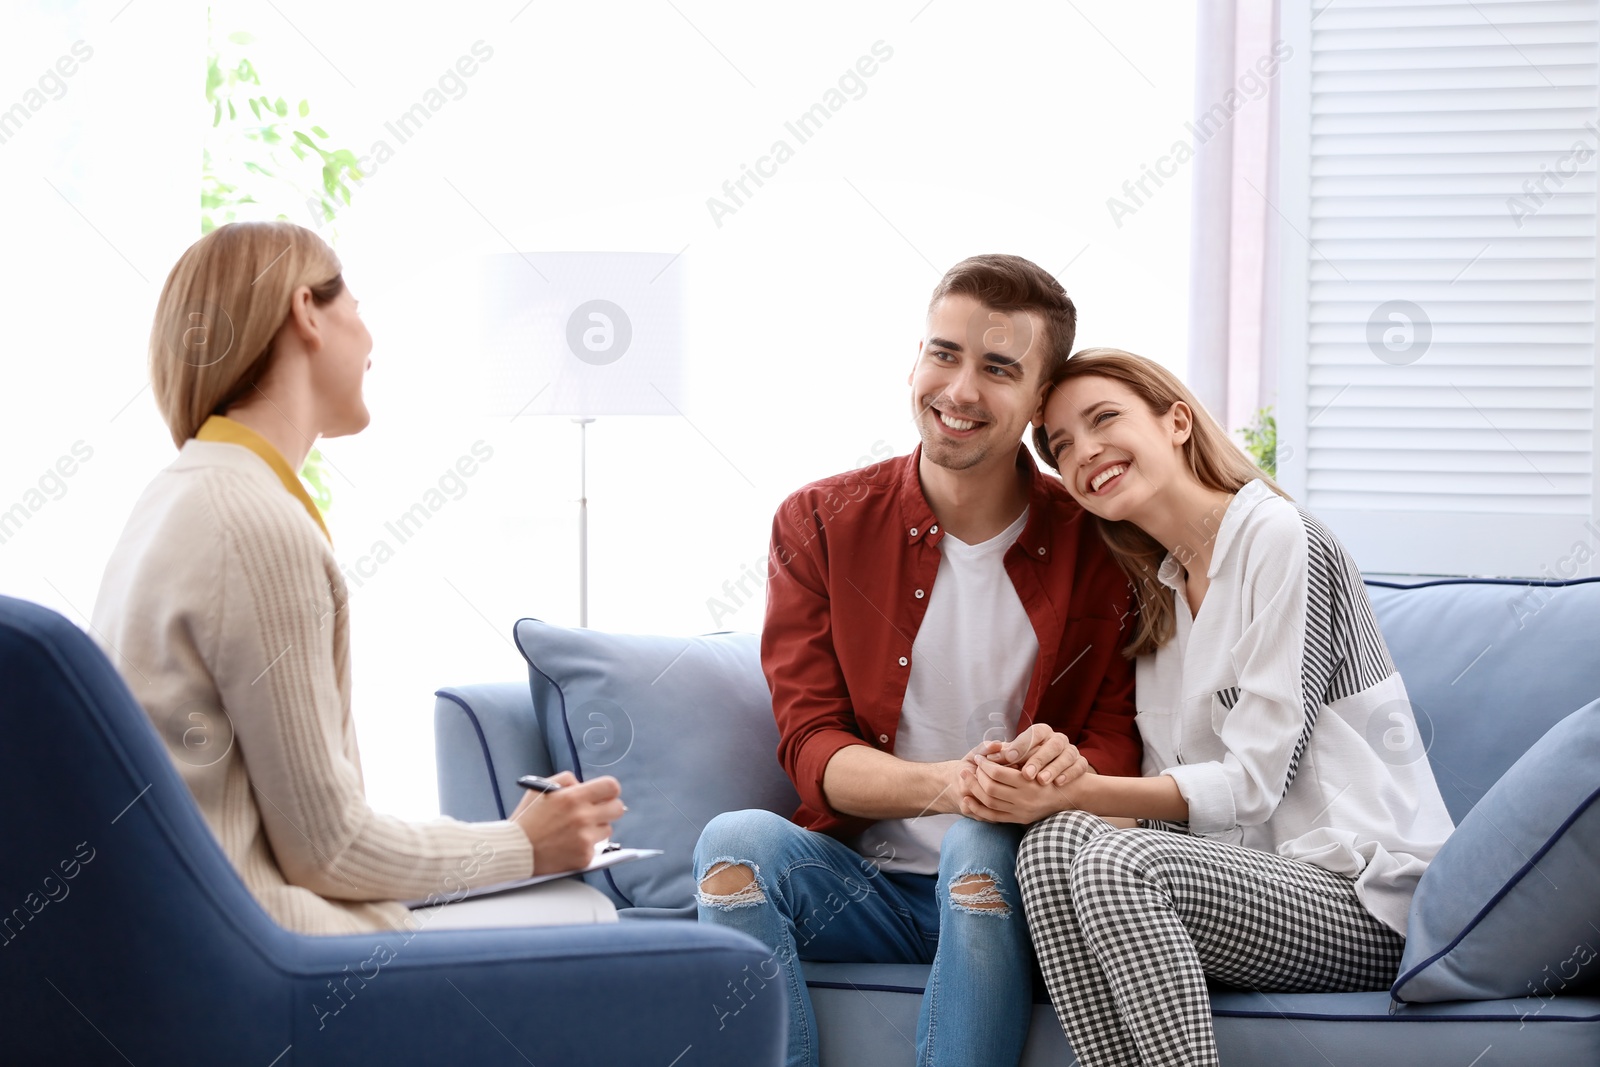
(539, 784)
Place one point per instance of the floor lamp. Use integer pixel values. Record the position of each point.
(584, 334)
(583, 519)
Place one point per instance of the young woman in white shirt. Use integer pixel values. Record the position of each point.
(1286, 808)
(225, 610)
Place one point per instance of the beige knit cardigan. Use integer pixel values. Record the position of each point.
(224, 610)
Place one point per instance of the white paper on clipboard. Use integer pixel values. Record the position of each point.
(602, 860)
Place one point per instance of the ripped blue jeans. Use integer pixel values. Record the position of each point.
(815, 898)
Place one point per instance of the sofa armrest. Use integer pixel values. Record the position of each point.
(629, 993)
(485, 737)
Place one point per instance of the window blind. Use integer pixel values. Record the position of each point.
(1440, 314)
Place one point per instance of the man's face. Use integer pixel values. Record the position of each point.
(975, 385)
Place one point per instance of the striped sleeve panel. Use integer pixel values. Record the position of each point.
(1344, 649)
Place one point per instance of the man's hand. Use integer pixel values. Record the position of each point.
(564, 826)
(994, 791)
(1040, 753)
(871, 784)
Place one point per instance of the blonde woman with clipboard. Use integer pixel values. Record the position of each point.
(224, 609)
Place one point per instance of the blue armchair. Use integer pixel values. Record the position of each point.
(125, 935)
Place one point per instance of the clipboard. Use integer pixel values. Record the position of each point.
(602, 860)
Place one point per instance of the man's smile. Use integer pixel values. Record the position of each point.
(955, 426)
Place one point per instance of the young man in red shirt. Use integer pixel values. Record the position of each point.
(916, 609)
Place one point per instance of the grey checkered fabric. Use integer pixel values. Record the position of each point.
(1129, 924)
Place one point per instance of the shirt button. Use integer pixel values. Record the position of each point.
(1041, 551)
(934, 528)
(903, 661)
(883, 739)
(919, 594)
(913, 531)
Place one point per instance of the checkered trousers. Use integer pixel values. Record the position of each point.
(1128, 924)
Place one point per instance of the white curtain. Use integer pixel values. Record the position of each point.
(1233, 268)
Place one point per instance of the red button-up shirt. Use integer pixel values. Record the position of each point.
(852, 565)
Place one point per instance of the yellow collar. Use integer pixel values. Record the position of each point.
(221, 428)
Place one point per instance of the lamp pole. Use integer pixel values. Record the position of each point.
(583, 520)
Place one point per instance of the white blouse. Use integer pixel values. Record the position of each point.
(1279, 713)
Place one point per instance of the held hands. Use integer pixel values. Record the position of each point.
(564, 826)
(1023, 780)
(1039, 752)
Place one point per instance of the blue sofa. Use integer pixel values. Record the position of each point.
(126, 937)
(1489, 665)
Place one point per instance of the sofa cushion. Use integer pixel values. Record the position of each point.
(867, 1017)
(1489, 665)
(1509, 904)
(684, 723)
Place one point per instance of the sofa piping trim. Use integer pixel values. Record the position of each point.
(483, 745)
(1556, 583)
(1237, 1013)
(872, 987)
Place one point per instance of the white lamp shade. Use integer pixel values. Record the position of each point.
(580, 333)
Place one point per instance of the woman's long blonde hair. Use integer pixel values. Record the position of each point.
(1216, 462)
(220, 310)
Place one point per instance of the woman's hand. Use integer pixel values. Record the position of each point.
(993, 791)
(564, 826)
(1044, 755)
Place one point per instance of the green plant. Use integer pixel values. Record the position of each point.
(269, 157)
(1261, 440)
(253, 164)
(315, 475)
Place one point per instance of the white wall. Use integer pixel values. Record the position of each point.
(592, 127)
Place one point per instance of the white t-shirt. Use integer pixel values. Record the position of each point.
(971, 663)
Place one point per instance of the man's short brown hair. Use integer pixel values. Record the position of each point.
(1011, 283)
